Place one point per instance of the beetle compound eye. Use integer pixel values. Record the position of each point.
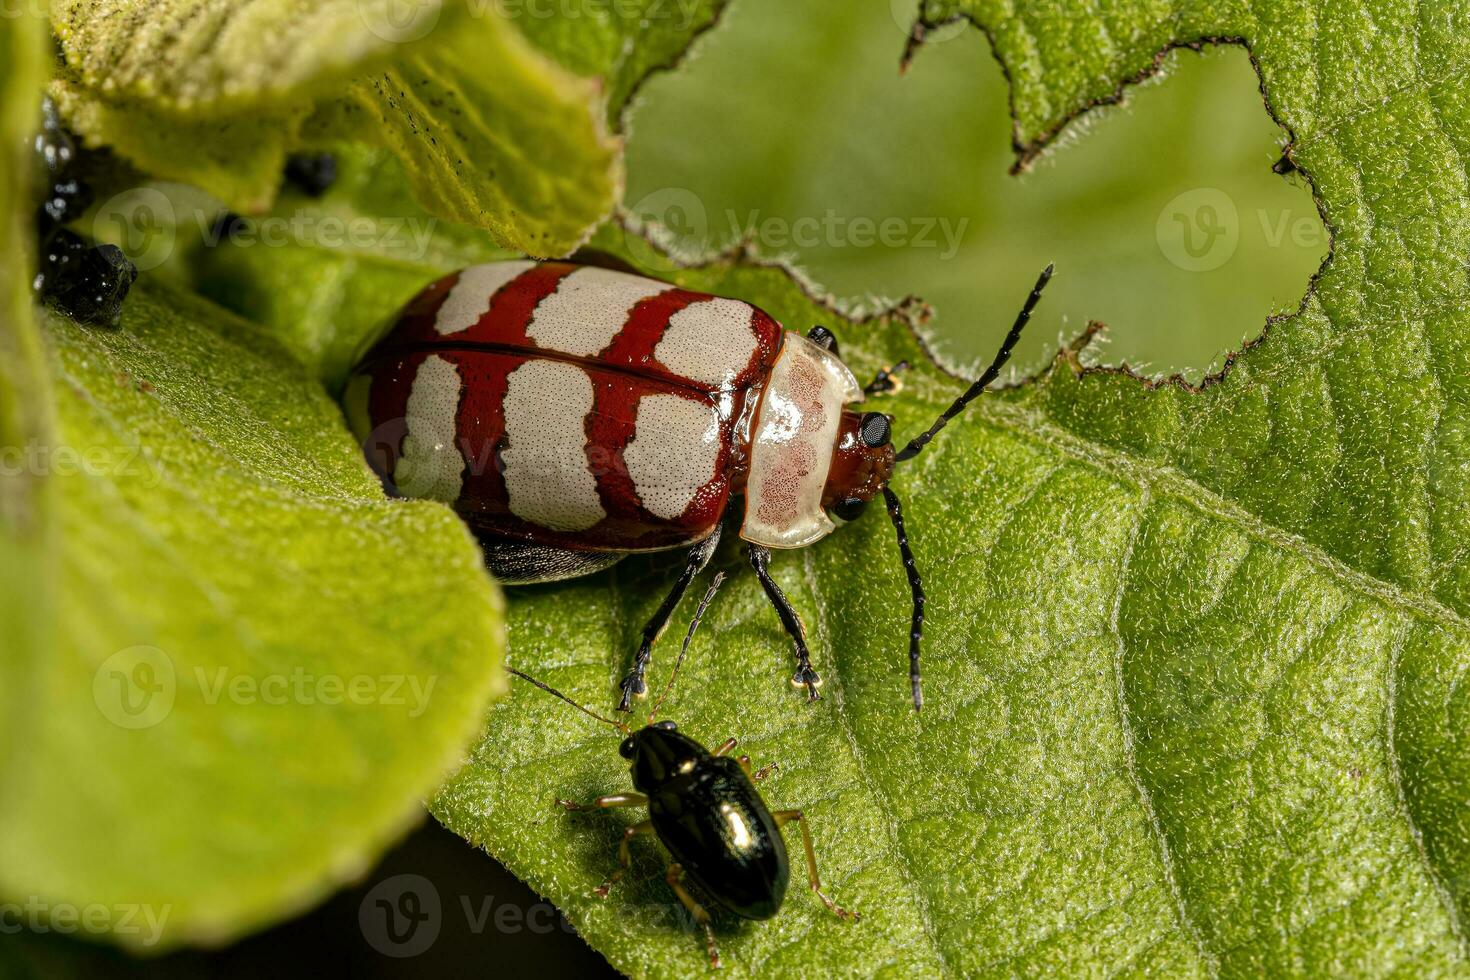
(667, 726)
(626, 749)
(875, 429)
(849, 509)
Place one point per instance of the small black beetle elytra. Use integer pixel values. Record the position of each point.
(703, 807)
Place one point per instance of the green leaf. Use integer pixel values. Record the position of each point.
(237, 158)
(189, 57)
(491, 131)
(357, 254)
(260, 666)
(1161, 733)
(1193, 655)
(25, 398)
(622, 43)
(491, 134)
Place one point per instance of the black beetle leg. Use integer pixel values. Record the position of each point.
(886, 382)
(784, 817)
(634, 685)
(805, 676)
(607, 802)
(673, 877)
(625, 857)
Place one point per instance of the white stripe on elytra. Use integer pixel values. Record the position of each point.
(588, 309)
(470, 298)
(430, 464)
(546, 475)
(673, 453)
(710, 341)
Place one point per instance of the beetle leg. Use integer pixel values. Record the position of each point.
(758, 774)
(674, 877)
(607, 802)
(728, 745)
(784, 817)
(634, 685)
(625, 857)
(805, 676)
(886, 381)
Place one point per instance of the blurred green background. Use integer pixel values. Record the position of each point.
(791, 113)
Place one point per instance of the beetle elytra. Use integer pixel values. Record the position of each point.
(576, 414)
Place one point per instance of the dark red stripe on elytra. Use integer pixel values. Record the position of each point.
(504, 322)
(415, 322)
(647, 320)
(622, 374)
(480, 428)
(510, 312)
(392, 382)
(768, 345)
(612, 424)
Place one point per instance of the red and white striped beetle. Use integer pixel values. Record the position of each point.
(576, 414)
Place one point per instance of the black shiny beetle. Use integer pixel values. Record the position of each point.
(704, 808)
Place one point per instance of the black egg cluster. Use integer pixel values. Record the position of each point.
(88, 282)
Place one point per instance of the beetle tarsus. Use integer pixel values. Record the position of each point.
(814, 880)
(832, 906)
(625, 857)
(610, 801)
(805, 676)
(634, 685)
(886, 381)
(809, 679)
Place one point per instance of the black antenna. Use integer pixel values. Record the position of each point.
(555, 693)
(709, 595)
(991, 373)
(916, 586)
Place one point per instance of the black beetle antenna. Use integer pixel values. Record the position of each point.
(709, 595)
(916, 586)
(555, 693)
(991, 373)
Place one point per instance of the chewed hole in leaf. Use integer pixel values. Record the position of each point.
(1163, 214)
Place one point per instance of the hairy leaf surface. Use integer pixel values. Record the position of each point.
(491, 128)
(1194, 655)
(255, 667)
